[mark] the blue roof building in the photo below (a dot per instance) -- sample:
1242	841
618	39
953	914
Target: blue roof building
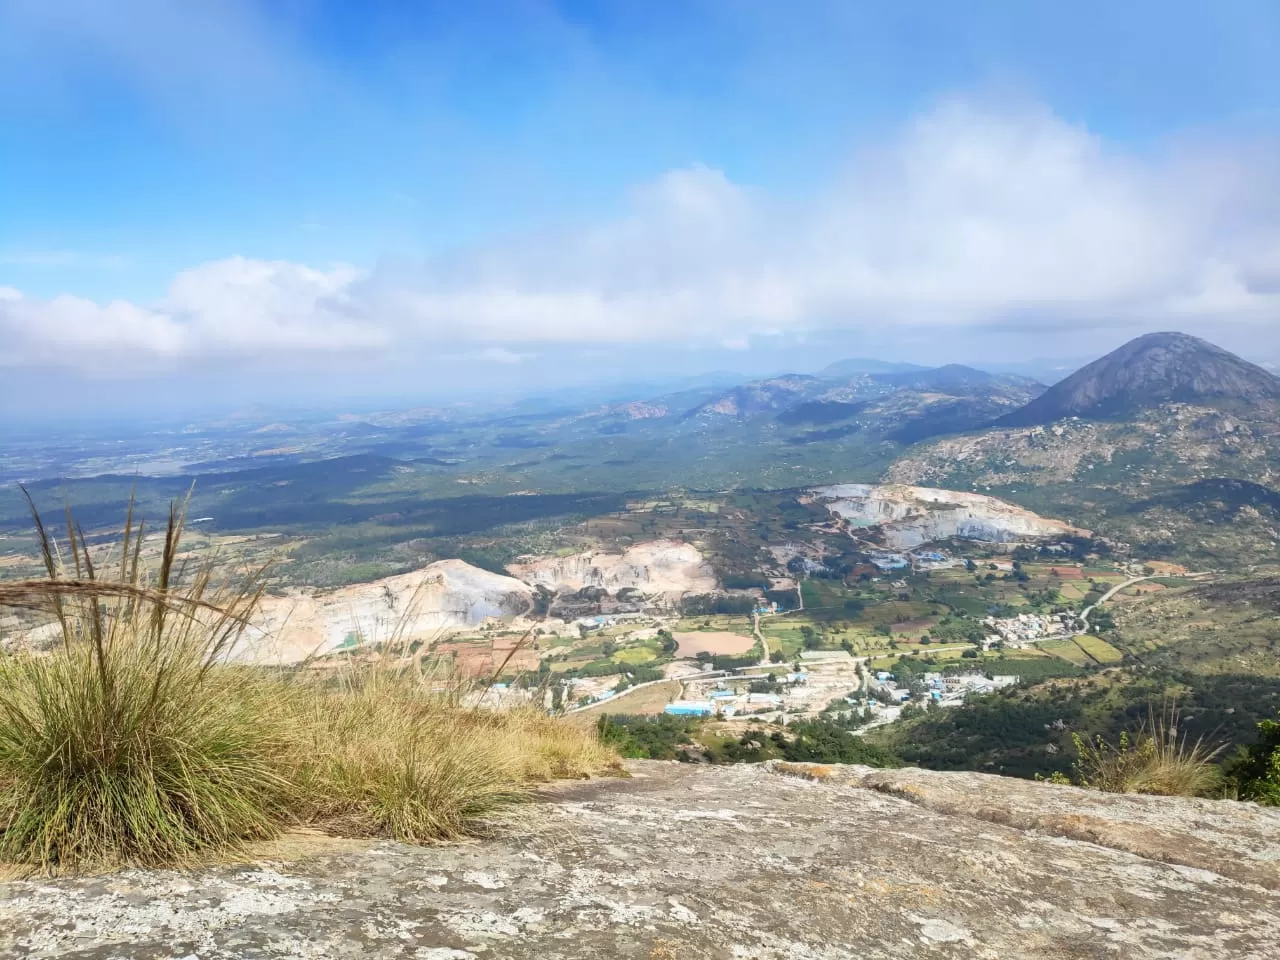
690	708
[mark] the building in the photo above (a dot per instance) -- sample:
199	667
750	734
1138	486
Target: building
890	561
690	708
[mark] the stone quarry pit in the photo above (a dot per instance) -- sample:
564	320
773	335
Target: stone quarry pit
910	516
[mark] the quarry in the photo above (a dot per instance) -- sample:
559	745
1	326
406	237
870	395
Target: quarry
657	567
429	602
907	516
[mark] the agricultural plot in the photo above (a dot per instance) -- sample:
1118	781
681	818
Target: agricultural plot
1073	592
945	655
1068	650
1099	649
635	656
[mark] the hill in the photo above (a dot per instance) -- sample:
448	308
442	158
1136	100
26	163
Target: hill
960	380
857	365
1169	444
900	406
1151	370
688	861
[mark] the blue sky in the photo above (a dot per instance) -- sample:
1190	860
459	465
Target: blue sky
270	190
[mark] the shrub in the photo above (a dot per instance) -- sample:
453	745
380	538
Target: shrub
1258	773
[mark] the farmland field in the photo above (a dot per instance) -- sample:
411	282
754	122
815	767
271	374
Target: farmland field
635	655
1099	649
1068	651
1073	592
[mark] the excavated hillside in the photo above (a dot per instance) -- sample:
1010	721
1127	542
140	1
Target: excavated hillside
425	603
909	516
658	566
687	862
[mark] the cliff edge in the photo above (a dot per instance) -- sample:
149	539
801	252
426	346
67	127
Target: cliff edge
684	861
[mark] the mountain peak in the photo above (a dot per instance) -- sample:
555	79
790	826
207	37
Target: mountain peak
1147	371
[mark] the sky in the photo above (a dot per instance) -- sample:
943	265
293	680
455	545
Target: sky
206	204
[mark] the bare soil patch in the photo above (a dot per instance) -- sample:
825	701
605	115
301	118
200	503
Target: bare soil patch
646	700
481	659
713	642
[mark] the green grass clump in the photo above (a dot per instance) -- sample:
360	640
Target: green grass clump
126	765
125	744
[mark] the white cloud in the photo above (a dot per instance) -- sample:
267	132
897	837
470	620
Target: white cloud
969	217
235	307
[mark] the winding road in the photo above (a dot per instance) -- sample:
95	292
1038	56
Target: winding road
1084	614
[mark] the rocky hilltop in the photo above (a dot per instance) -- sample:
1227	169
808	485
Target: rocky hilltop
686	862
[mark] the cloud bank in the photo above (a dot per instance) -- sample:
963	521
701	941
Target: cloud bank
969	217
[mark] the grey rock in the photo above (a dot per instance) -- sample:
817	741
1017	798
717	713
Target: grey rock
684	861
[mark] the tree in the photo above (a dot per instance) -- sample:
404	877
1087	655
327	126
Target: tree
809	637
669	644
1258	771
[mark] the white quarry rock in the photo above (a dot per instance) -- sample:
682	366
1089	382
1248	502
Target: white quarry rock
427	603
658	566
910	516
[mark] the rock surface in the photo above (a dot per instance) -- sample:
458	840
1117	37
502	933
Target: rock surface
685	861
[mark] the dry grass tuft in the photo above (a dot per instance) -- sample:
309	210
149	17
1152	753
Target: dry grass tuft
1158	759
134	742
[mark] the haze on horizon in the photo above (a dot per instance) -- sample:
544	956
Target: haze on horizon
206	204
